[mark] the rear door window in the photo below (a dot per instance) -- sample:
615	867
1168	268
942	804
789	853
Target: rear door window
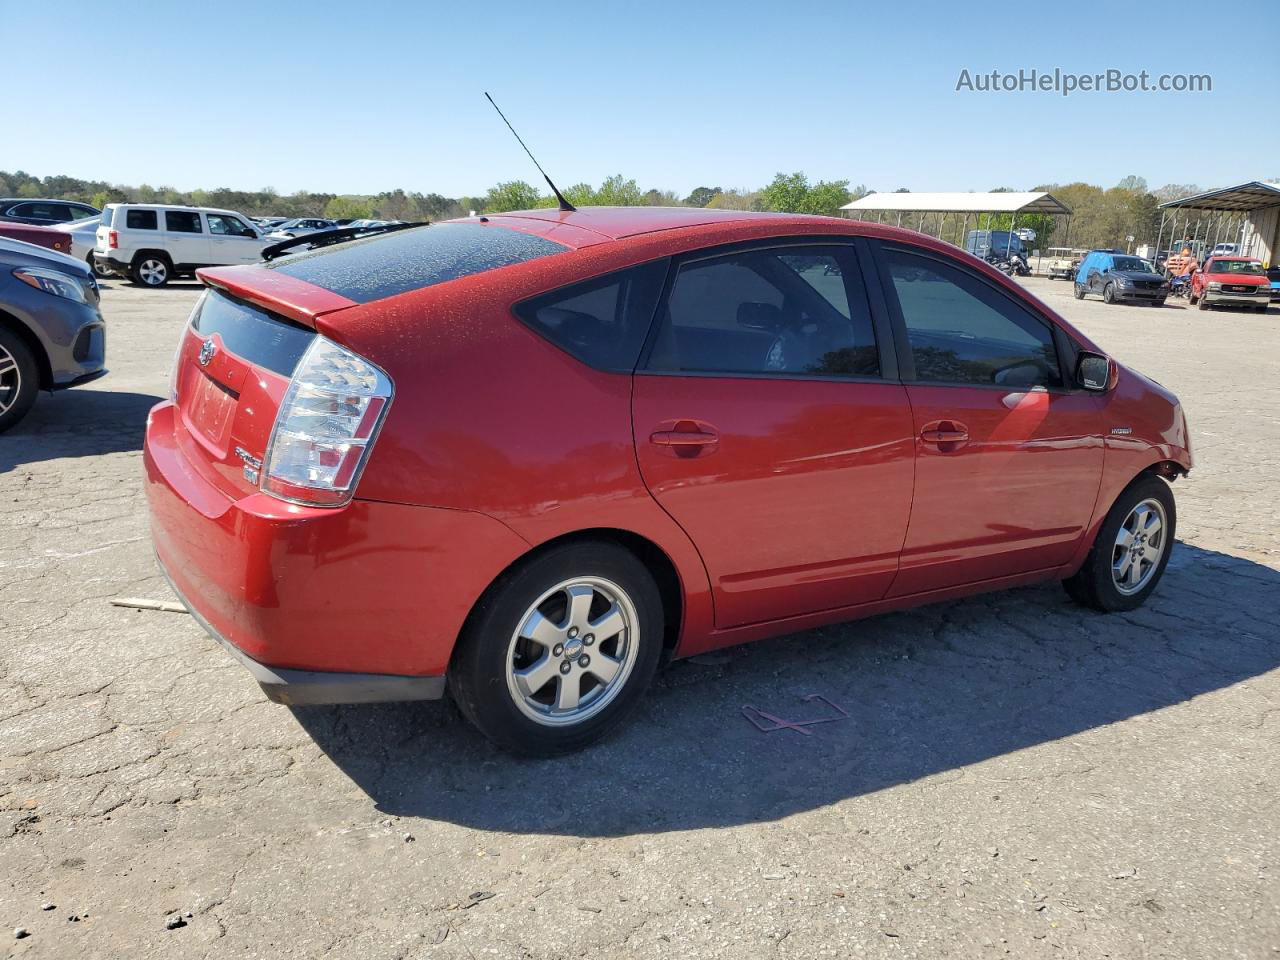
604	321
140	220
793	311
182	221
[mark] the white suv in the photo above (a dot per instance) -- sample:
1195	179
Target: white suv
151	243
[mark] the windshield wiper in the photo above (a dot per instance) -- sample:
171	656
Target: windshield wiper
323	238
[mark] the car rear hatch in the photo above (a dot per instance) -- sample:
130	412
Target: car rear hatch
233	367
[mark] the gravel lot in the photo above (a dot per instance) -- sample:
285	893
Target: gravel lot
1018	777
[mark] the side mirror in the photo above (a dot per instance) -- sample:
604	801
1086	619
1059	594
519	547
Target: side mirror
1093	372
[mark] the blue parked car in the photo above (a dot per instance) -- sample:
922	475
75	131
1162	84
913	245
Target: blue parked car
1118	277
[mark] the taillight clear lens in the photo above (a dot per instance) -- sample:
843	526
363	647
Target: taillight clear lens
325	426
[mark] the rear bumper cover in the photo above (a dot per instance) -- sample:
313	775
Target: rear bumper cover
299	688
357	604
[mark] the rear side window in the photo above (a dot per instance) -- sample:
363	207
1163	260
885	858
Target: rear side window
140	220
602	322
254	335
182	221
392	263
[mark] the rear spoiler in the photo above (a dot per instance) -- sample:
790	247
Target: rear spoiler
277	292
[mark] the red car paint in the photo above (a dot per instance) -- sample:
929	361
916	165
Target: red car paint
57	240
817	501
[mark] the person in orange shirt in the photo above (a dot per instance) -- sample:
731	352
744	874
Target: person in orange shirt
1182	265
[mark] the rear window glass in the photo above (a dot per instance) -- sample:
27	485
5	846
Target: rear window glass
140	220
251	334
383	266
603	321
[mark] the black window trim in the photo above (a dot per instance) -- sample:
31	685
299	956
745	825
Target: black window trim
902	341
885	347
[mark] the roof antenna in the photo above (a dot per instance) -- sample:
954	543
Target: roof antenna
565	205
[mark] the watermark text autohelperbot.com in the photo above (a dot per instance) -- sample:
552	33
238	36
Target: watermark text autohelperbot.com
1066	83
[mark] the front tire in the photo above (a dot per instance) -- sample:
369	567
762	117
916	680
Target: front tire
1108	294
1203	304
559	650
1131	551
19	379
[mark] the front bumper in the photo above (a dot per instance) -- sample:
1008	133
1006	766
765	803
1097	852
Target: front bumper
1138	293
1237	299
357	604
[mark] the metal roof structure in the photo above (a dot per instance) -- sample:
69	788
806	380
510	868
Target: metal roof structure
958	203
1254	195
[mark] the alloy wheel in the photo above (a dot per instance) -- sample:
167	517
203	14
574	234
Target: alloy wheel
1139	545
10	380
153	272
573	651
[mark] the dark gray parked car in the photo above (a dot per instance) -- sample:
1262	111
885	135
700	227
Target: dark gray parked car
51	330
44	213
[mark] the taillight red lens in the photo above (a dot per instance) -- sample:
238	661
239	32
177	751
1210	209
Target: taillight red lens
325	427
113	240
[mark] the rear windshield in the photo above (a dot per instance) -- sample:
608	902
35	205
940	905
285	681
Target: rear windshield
383	266
251	334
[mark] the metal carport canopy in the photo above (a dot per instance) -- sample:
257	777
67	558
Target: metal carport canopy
1247	196
959	203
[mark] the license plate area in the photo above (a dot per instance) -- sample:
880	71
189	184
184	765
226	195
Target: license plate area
210	412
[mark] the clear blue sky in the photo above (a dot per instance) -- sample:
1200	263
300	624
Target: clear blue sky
362	97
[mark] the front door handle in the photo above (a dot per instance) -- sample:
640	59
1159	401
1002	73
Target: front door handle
945	433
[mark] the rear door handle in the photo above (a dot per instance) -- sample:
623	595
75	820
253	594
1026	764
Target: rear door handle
683	438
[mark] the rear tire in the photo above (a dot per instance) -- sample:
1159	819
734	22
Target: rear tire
1079	291
151	270
529	670
19	379
1107	582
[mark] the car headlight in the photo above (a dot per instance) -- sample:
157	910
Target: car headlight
1122	281
1214	285
51	281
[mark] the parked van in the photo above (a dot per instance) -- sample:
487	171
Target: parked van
151	243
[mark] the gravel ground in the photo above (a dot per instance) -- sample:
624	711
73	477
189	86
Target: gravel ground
1017	777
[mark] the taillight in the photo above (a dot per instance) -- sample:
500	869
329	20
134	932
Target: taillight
113	240
325	427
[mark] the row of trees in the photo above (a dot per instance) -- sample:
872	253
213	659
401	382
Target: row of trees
1102	217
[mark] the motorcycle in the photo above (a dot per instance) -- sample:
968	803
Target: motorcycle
1180	287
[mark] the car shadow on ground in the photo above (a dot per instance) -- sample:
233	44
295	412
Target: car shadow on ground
81	422
928	692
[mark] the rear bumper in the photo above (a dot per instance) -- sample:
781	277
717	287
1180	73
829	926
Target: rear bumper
306	687
355	604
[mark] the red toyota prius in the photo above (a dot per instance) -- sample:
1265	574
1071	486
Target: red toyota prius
526	457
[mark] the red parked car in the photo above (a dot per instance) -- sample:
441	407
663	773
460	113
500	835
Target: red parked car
57	240
530	455
1236	281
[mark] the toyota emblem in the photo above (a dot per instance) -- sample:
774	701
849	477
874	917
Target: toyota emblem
208	350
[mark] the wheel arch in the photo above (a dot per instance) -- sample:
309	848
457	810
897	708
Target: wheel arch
656	561
32	340
151	252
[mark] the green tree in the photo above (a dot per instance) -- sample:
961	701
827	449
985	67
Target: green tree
794	194
511	195
616	192
348	208
701	196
